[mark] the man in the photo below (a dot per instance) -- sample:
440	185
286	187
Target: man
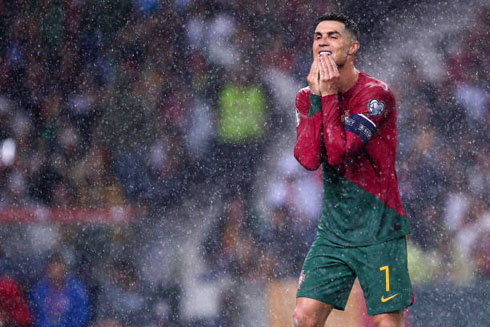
60	299
346	122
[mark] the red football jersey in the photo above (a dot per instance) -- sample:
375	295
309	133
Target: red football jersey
354	136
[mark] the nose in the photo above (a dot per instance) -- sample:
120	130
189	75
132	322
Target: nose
322	45
323	42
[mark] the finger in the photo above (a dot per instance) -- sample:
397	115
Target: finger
314	67
324	67
313	70
313	77
318	69
333	67
327	66
320	66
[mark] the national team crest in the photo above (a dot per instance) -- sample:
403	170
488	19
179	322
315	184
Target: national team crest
376	107
298	118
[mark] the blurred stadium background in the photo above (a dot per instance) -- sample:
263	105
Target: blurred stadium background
147	146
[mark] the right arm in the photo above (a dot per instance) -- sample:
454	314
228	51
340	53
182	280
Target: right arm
308	148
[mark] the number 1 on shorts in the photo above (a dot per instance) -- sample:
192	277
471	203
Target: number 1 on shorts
387	277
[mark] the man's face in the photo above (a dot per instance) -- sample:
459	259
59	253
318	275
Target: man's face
331	38
57	272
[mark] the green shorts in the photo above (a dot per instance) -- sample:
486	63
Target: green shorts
329	272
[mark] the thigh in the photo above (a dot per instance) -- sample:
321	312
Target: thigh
383	274
325	276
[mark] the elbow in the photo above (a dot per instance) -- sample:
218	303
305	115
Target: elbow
338	155
311	167
309	162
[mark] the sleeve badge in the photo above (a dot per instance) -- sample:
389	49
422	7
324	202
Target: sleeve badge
376	107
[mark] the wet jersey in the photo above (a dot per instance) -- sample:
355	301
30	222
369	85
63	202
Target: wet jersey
354	137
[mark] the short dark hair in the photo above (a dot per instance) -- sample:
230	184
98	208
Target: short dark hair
350	25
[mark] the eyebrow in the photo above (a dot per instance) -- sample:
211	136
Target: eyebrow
328	33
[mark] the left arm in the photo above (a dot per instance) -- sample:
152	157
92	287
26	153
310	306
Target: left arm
345	139
369	110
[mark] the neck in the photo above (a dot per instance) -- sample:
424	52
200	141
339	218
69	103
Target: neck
348	76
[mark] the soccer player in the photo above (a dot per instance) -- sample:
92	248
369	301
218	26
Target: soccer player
346	122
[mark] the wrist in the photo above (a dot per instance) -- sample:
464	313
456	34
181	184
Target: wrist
315	91
328	100
329	91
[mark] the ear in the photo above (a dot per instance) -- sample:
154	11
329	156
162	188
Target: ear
354	47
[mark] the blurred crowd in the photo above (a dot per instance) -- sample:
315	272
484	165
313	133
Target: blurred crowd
444	161
182	107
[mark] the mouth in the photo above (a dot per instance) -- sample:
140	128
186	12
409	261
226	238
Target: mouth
325	53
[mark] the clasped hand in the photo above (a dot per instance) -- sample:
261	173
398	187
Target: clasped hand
324	76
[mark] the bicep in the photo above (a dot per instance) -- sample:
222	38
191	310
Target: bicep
366	114
371	110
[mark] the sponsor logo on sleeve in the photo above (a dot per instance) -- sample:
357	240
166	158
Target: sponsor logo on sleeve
298	118
376	107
